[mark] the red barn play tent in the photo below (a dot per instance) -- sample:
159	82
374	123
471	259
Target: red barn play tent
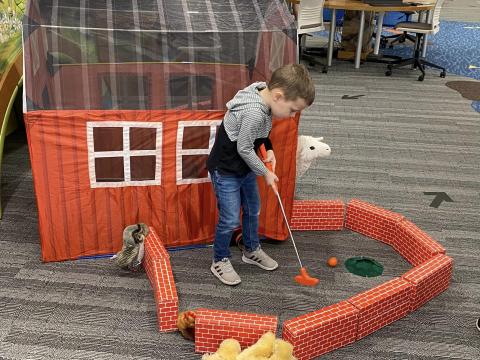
123	99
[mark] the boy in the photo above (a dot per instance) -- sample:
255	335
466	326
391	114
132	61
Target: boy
234	165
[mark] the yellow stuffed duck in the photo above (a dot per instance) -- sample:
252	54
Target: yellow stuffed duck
266	348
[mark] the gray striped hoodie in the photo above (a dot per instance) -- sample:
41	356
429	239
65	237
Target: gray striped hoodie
248	118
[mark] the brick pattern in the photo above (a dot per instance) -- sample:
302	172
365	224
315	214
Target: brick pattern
372	221
382	305
159	271
321	331
214	326
317	215
334	326
414	244
154	246
429	279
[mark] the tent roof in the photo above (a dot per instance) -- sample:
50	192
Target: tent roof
162	15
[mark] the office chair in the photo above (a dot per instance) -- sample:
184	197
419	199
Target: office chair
400	38
309	20
430	27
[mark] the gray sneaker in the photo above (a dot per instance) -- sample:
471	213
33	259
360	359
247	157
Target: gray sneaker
225	272
259	258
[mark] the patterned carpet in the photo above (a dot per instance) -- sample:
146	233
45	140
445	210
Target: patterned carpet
454	47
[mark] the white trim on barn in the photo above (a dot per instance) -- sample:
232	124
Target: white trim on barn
126	153
180	151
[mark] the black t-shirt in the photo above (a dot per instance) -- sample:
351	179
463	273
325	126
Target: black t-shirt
224	156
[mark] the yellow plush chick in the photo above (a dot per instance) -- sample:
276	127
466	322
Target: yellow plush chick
262	349
282	350
228	350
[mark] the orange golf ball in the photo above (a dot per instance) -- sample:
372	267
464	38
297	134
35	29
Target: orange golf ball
332	262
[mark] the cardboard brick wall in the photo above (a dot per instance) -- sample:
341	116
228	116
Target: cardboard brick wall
214	326
429	279
414	244
382	305
159	271
372	221
334	326
317	215
321	331
154	246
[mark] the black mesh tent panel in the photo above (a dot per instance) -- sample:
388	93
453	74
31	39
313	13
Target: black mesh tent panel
162	15
150	54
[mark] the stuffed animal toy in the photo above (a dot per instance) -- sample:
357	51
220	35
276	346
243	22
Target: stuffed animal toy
262	349
131	255
266	348
282	350
186	324
308	149
228	350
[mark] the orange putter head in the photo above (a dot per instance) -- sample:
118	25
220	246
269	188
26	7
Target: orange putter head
304	279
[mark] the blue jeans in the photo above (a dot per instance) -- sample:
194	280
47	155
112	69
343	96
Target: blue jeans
235	192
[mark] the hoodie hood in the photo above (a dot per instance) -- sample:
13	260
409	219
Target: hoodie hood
248	98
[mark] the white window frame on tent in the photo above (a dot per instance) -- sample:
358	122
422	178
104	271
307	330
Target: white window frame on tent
126	153
180	152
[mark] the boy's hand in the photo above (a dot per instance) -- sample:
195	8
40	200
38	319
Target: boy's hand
268	157
270	179
271	159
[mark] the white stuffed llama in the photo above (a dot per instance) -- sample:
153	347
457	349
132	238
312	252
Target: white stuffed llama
308	149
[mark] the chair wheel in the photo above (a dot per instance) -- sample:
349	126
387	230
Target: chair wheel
443	74
324	71
421	77
389	67
388	72
390	46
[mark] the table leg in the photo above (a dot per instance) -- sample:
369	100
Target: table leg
425	37
297	58
358	53
424	45
421	16
378	36
331	36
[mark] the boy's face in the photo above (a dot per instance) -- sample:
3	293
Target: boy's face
282	108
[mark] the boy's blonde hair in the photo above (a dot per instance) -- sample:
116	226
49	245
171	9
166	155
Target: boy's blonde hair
295	82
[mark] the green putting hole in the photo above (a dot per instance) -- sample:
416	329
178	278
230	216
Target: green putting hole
363	266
